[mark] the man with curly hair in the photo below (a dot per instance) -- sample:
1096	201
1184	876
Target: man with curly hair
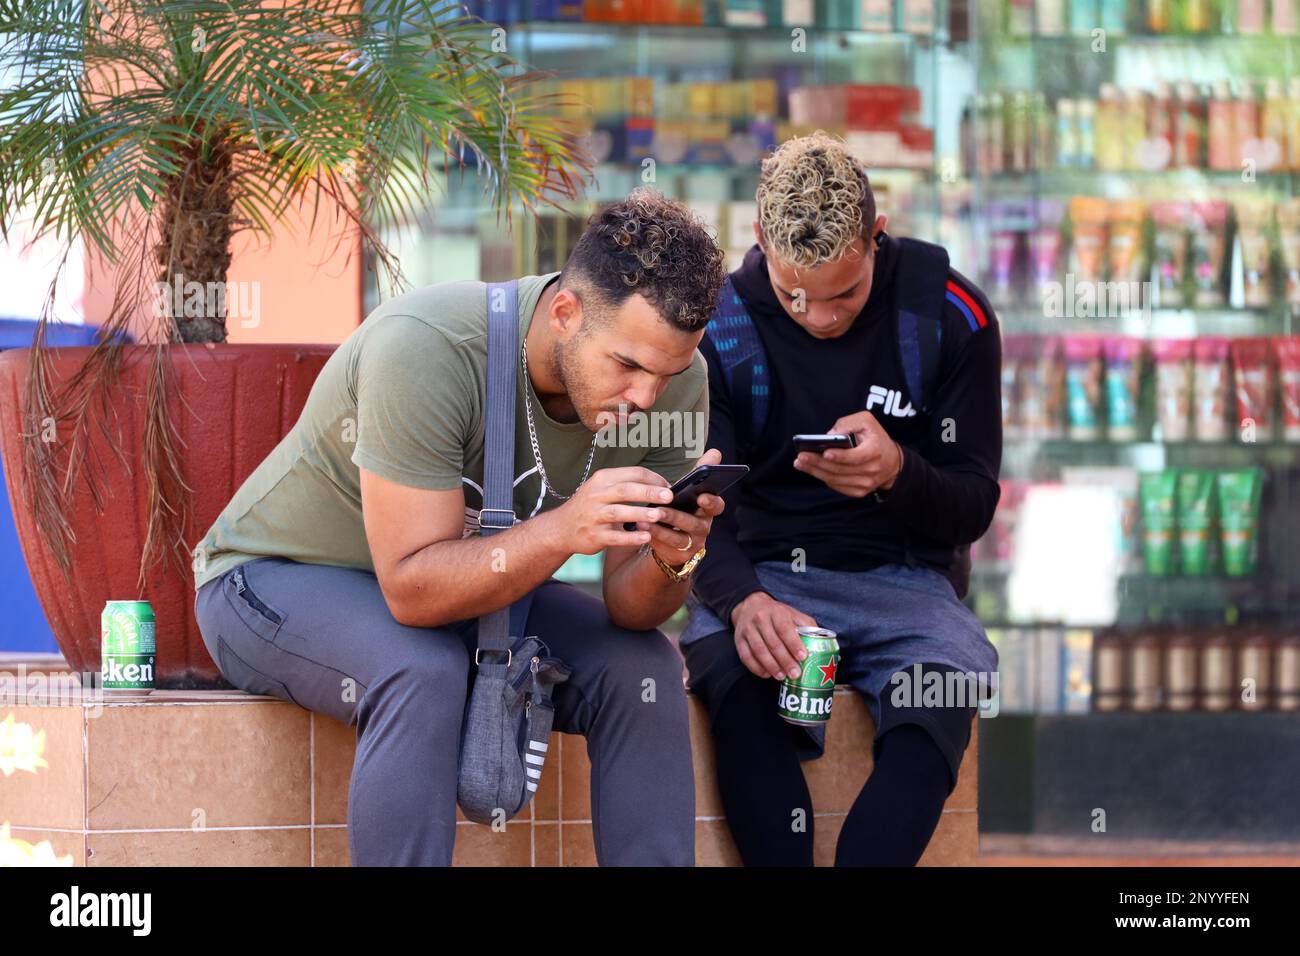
832	326
347	574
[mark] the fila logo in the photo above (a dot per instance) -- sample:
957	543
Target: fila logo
889	399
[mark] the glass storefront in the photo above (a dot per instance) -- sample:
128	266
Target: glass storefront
1120	179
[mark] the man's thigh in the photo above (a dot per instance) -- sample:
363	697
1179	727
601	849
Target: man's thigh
610	664
316	635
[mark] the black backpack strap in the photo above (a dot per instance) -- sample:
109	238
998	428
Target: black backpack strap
744	364
921	277
921	282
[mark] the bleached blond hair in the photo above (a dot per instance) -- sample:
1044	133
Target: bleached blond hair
814	201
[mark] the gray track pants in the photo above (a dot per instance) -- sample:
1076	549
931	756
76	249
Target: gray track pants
309	634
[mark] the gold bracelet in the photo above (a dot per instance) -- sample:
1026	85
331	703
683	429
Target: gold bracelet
676	575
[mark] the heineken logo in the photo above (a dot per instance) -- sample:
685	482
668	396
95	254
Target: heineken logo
117	673
817	705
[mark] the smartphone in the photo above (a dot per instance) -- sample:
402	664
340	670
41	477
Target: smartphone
704	480
819	443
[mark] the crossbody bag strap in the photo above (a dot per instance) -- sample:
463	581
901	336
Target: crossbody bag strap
498	512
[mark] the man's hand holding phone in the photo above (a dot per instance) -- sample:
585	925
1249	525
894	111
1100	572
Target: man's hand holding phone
872	465
609	509
676	535
766	639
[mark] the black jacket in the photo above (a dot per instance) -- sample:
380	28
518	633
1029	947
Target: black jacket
948	489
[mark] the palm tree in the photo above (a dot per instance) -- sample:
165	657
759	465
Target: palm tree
155	131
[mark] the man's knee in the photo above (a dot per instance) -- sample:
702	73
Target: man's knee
715	671
646	659
945	719
430	675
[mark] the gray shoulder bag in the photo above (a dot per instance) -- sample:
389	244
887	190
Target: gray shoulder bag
507	723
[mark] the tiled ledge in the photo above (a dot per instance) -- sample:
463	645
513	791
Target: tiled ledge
225	778
1006	849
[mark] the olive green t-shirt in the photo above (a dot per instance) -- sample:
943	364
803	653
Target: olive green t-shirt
404	397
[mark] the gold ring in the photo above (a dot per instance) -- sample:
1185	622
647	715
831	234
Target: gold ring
690	542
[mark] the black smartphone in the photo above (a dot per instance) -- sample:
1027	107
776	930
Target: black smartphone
704	480
819	443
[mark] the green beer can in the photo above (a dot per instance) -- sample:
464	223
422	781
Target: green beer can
127	646
806	699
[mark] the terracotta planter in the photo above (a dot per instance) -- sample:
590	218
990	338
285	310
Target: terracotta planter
231	405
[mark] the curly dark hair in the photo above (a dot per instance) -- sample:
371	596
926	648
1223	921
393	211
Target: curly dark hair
654	246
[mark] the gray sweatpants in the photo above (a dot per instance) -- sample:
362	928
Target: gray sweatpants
322	637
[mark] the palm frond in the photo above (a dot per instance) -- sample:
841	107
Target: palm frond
121	118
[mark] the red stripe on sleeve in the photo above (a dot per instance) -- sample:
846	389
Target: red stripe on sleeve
965	297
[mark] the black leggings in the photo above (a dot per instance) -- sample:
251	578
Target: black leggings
763	787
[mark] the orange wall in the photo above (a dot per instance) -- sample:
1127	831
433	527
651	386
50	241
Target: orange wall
307	294
309	286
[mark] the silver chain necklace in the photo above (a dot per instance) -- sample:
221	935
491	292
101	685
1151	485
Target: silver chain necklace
532	436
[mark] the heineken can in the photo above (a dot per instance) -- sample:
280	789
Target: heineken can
127	645
806	699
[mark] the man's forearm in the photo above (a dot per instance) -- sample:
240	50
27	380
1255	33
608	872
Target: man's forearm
953	505
639	596
456	580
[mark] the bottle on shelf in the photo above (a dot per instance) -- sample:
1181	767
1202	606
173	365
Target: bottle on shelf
1189	126
1220	126
1108	673
1286	673
1157	150
1249	20
1255	672
1159	15
918	16
744	13
1196	16
1217	683
1285	18
1109	129
1180	672
1292	113
1143	673
875	16
972	165
1113	16
1083	17
1020	18
1050	17
1044	124
1067	136
1086	110
979	134
994	134
794	13
1019	132
1273	126
1135	127
1245	126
